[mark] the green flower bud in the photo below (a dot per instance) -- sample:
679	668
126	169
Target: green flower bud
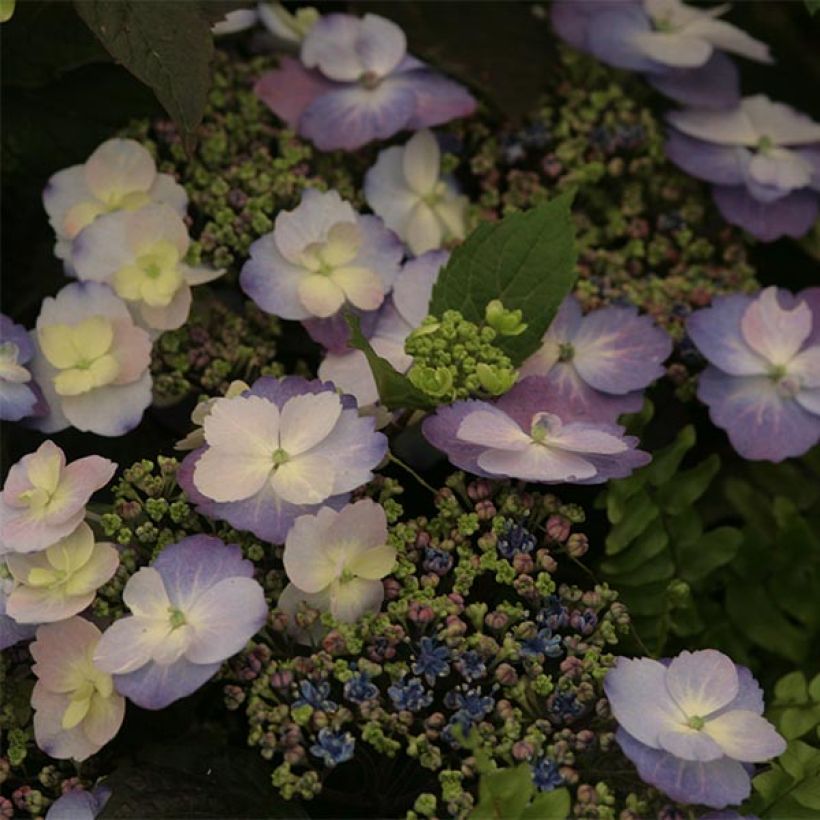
435	381
503	321
495	380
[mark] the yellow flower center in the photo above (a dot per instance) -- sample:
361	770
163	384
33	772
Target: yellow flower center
154	277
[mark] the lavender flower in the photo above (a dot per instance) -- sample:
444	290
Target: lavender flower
515	540
432	660
763	159
333	747
316	696
545	775
543	643
600	363
355	83
691	726
359	689
410	695
79	804
19	394
762	384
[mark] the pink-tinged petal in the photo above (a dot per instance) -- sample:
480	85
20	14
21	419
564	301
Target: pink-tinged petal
761	424
153	223
689	744
792	215
79	301
774	332
290	89
306	479
438	99
57	645
488	427
387	192
307	421
225	476
224	618
350	117
112	410
42	468
640	701
64	190
34	605
82	478
154	686
104	718
381	250
243	425
380	46
172	316
536	463
320	295
332	46
128	644
364	522
717	783
351	373
119	166
781	123
722	164
716	332
583	437
51	738
102	248
702	682
617	351
362	287
352	599
570	20
745	736
716	84
145	594
132	349
22	532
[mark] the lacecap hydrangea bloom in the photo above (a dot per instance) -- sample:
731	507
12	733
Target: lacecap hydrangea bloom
119	175
320	257
355	83
19	394
405	188
282	449
692	725
763	159
600	363
531	434
402	312
76	708
335	560
43	499
140	255
60	581
679	47
193	608
762	384
92	362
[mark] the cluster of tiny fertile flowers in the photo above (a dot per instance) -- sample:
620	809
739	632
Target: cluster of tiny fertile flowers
354	83
476	633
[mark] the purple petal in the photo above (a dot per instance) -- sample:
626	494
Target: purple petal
793	215
155	687
290	89
618	466
16	334
702	682
76	805
333	333
438	98
812	155
717	783
689	744
17	400
811	296
440	430
760	423
722	164
349	117
715	84
611	37
749	694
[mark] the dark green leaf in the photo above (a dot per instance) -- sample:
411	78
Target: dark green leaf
396	391
716	548
651	542
677	495
553	805
527	261
665	462
659	568
641	512
503	793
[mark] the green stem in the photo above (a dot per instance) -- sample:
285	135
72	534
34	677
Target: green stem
412	472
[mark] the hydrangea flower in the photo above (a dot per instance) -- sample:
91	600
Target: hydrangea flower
196	438
432	661
679	47
289	29
410	695
92	362
10	631
19	394
79	804
545	775
281	450
140	255
333	747
355	83
43	499
235	21
600	363
320	257
762	384
119	175
691	726
76	708
401	313
534	435
763	159
406	190
60	581
193	608
341	557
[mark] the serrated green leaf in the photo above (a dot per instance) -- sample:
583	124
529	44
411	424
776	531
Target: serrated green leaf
665	462
651	542
503	793
791	688
641	513
527	261
696	559
659	568
553	805
396	391
797	721
680	493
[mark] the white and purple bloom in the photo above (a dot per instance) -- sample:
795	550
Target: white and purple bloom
318	258
76	708
44	498
355	83
119	175
19	394
534	435
194	607
600	363
401	313
79	804
762	384
91	362
339	558
763	159
140	255
282	449
10	631
406	190
692	725
679	47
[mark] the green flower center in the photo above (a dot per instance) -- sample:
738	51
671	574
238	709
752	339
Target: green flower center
696	722
280	457
176	617
565	352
